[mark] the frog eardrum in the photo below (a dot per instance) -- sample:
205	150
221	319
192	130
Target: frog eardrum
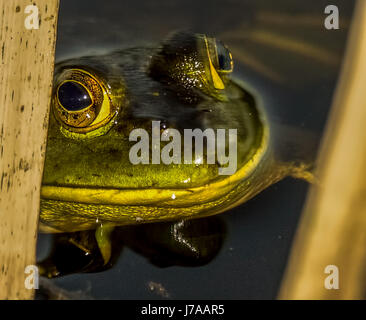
81	101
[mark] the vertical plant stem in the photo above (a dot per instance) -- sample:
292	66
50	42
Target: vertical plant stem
333	227
26	71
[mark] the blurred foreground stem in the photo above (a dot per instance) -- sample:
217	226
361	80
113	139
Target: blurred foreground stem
332	230
26	71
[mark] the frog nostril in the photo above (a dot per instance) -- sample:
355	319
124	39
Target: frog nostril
73	96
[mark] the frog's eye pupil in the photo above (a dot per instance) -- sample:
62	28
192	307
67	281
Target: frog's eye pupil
73	96
224	57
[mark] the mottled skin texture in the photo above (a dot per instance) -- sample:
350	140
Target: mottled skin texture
88	178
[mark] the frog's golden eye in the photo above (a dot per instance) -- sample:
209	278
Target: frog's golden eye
81	101
194	63
74	96
220	56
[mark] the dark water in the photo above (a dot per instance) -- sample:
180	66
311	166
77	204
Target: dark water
282	50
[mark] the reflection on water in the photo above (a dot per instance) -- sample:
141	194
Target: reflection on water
283	52
190	243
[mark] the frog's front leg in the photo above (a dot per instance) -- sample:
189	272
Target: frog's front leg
83	251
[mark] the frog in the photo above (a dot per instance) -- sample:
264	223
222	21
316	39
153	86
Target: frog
90	189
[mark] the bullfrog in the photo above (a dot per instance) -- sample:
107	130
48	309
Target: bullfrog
90	186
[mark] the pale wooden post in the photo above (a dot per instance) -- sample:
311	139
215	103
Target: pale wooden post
333	227
26	71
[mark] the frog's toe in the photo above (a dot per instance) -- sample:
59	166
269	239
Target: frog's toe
103	236
305	172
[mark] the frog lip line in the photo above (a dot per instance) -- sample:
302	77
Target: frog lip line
216	147
150	196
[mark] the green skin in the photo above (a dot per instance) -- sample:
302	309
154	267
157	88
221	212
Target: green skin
145	85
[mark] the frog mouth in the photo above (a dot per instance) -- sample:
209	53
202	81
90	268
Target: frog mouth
162	197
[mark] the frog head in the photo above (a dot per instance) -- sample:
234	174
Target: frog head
182	85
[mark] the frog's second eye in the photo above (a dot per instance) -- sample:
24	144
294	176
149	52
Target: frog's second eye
224	58
220	55
74	96
82	102
194	63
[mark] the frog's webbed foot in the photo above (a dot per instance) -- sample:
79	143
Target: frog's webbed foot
84	251
186	243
